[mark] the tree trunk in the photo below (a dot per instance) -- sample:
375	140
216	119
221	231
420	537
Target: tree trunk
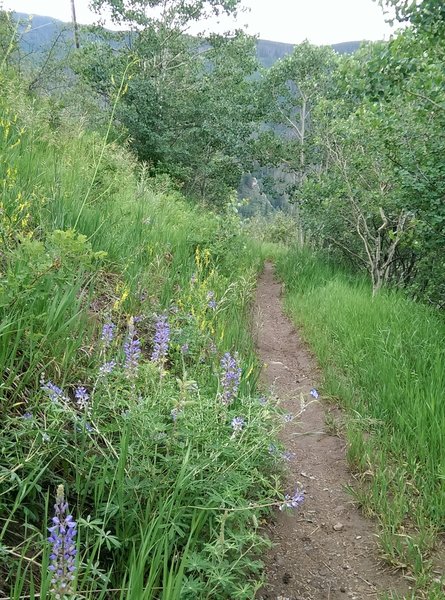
76	29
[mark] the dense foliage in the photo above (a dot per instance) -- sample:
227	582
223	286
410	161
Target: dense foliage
189	103
128	375
363	135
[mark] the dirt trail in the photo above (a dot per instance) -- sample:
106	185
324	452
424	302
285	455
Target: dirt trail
326	549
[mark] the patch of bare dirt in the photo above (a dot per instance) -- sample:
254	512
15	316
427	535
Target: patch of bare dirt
326	549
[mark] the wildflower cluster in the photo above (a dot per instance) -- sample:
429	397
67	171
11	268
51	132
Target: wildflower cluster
63	548
230	379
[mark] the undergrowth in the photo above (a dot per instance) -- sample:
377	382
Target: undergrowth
383	359
128	374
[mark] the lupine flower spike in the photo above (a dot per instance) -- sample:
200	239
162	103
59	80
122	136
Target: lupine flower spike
63	548
108	333
174	413
107	367
132	349
293	501
237	424
286	455
54	393
211	302
82	397
161	340
230	380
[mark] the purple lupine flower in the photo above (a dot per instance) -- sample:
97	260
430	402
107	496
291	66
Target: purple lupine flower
54	393
161	339
293	501
63	548
174	413
288	456
185	348
108	333
288	418
81	426
211	302
237	424
107	367
132	349
231	375
314	393
27	416
82	397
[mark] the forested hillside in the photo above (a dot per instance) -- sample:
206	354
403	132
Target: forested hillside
144	180
39	33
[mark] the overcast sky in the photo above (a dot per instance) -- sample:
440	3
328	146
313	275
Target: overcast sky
319	21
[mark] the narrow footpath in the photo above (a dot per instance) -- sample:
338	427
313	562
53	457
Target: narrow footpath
326	549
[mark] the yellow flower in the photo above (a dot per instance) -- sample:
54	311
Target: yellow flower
123	297
206	256
198	256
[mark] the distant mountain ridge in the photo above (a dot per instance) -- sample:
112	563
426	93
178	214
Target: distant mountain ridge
45	30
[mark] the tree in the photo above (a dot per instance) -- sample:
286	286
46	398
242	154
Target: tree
291	88
8	38
377	197
427	16
171	14
190	102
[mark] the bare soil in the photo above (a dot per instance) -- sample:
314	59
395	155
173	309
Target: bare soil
326	549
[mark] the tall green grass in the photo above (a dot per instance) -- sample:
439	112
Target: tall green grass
384	359
167	503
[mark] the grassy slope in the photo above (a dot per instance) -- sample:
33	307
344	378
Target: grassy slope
383	358
161	485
